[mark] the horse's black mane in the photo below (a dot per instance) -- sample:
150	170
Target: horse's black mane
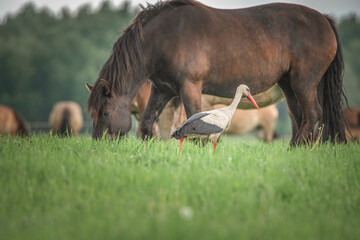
126	63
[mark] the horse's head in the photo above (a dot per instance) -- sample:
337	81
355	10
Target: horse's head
110	113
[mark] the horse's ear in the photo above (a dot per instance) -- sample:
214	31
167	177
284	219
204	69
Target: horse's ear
106	86
89	87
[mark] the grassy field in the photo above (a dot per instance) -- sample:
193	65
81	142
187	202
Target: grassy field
54	188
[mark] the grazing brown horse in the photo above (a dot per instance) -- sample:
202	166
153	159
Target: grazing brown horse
66	118
186	48
12	123
352	119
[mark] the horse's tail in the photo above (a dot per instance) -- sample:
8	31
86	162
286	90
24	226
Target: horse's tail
65	128
24	127
333	95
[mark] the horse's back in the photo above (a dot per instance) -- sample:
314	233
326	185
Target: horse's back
217	45
269	114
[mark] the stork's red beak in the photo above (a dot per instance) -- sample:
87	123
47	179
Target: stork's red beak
252	101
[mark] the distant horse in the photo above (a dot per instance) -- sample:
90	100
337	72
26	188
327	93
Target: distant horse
352	119
186	48
12	123
245	121
66	118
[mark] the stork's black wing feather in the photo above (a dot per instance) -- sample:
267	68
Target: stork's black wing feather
195	125
196	116
200	127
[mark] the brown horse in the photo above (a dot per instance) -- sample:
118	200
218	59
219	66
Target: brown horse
186	48
352	119
66	118
12	123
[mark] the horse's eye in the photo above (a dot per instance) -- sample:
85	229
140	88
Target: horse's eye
106	114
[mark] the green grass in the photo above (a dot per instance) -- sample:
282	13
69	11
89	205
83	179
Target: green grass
52	188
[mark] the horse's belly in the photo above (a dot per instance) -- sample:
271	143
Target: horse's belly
270	96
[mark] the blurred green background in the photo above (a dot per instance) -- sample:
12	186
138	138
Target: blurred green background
46	57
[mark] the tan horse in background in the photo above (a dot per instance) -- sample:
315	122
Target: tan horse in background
352	120
12	122
243	121
66	118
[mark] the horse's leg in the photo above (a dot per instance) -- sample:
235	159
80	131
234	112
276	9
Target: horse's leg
190	94
293	107
157	101
304	85
268	128
267	121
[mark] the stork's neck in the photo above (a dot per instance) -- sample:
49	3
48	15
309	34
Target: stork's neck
235	102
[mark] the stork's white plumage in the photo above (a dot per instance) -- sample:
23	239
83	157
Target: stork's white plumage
211	124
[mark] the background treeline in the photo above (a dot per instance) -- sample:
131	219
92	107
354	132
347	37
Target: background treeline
47	57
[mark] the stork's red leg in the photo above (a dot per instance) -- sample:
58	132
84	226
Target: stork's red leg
181	141
214	148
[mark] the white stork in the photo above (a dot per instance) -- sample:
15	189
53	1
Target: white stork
211	124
